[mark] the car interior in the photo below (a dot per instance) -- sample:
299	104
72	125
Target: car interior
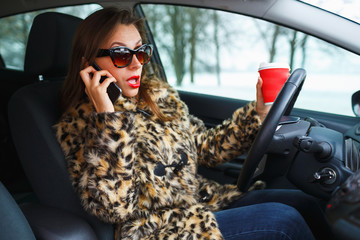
50	209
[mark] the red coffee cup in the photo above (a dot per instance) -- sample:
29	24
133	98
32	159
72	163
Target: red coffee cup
274	75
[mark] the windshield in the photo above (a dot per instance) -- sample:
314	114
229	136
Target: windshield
346	8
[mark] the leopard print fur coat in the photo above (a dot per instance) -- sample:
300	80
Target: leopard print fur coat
125	165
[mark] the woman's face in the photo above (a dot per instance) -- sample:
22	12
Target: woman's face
128	78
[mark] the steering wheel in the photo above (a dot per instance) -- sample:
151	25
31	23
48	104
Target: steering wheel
282	105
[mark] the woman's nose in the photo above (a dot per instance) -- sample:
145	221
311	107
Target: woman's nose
135	63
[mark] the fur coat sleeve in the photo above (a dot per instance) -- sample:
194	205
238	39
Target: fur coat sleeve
228	140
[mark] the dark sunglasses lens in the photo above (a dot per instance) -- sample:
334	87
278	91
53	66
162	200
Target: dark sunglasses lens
121	57
144	55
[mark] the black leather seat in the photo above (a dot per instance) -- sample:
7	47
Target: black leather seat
47	55
13	224
33	110
49	45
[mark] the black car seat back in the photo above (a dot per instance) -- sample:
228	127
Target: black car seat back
34	109
47	57
13	224
49	45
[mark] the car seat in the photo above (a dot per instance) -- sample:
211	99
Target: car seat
34	109
57	32
13	224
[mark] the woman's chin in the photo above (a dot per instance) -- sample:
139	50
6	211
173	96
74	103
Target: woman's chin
130	92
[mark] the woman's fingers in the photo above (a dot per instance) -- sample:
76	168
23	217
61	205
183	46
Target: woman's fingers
261	108
259	95
96	89
86	74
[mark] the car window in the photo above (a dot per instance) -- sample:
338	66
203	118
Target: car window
218	53
15	29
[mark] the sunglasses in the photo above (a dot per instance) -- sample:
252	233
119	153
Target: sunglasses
122	56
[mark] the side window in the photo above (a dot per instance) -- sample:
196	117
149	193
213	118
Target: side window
13	39
218	53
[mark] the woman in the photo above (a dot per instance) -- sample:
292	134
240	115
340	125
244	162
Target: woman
133	162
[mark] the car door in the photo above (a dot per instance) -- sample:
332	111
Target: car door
211	57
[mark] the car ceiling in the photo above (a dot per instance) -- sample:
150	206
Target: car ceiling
257	7
289	13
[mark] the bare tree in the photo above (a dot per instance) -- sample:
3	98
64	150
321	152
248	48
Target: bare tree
297	42
293	46
168	26
303	49
196	23
217	46
15	33
272	47
177	19
274	31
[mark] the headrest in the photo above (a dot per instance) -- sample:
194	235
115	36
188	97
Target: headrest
49	45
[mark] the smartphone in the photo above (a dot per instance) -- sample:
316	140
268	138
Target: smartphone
113	90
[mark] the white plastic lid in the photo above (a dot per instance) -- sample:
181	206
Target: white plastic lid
265	65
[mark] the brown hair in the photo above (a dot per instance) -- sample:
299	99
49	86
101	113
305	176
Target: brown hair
92	32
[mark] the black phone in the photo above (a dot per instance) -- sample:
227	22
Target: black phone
113	90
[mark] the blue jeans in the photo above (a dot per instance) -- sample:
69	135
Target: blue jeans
270	221
311	208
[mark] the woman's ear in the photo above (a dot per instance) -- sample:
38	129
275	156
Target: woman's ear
84	62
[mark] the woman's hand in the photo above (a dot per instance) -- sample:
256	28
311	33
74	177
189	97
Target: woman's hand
95	90
261	108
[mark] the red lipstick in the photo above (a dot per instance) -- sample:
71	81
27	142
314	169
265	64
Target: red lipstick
134	81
